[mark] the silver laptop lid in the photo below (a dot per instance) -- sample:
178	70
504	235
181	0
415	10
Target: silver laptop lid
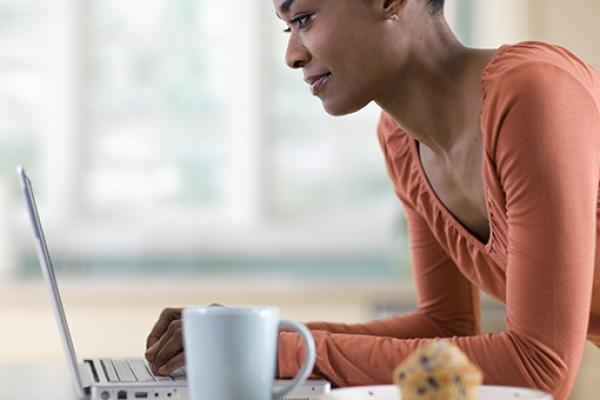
48	272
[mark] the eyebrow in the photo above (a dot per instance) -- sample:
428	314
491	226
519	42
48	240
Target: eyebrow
285	6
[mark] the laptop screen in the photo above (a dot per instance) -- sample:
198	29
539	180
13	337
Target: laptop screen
48	272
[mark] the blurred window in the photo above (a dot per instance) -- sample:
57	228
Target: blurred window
23	79
184	142
190	103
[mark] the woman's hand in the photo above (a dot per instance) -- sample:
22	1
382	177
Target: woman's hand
164	346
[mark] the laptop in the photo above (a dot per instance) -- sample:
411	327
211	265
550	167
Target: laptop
122	378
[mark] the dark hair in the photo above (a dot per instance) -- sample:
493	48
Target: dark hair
436	6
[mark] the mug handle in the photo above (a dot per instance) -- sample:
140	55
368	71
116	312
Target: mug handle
309	360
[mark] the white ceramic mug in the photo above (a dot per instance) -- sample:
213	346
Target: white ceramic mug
230	352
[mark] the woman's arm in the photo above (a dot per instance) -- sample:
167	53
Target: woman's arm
547	156
447	303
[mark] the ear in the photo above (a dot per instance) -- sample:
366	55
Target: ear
388	8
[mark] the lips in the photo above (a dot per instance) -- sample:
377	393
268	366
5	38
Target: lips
317	82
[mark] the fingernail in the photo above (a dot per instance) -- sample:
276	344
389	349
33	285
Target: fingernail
162	370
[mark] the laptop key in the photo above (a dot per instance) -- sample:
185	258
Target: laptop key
159	378
178	374
123	371
163	378
140	370
111	375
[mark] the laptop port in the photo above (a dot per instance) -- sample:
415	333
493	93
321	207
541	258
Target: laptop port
122	395
141	395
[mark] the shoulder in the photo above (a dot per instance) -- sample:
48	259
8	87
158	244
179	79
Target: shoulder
520	68
516	69
535	79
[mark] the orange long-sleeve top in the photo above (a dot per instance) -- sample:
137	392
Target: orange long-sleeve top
540	123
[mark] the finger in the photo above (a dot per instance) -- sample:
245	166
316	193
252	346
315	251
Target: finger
151	352
170	347
160	343
164	320
154	345
172	364
165	357
171	344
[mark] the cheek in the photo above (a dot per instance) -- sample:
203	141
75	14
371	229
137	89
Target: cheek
349	54
358	71
331	42
348	51
322	47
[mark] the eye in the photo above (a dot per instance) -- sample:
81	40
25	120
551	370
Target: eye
300	22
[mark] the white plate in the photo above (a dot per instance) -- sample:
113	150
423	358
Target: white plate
391	392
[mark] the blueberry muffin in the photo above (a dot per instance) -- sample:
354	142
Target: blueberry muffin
438	371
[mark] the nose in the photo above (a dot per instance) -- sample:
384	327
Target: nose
296	56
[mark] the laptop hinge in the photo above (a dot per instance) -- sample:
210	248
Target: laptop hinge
97	371
87	377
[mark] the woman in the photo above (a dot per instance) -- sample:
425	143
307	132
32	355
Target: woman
495	156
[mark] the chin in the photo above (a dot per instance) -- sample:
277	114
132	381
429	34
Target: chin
339	108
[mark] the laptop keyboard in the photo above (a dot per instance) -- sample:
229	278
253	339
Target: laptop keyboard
133	370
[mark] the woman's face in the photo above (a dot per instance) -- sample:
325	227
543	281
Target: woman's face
342	48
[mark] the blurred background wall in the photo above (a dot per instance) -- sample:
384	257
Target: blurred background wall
177	161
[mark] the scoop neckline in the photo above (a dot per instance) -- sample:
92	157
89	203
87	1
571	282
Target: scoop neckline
438	202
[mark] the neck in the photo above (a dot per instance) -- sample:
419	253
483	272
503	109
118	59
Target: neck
433	98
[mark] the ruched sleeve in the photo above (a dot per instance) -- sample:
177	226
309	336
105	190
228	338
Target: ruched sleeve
447	303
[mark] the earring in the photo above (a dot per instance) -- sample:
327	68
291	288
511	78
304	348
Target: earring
393	17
